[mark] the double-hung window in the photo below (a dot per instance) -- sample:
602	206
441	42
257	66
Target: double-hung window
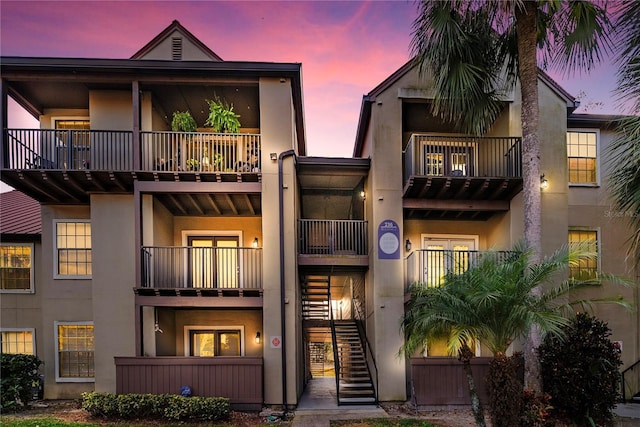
582	153
18	341
75	352
584	240
72	249
16	267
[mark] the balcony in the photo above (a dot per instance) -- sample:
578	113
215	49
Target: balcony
429	267
460	177
333	242
201	271
67	165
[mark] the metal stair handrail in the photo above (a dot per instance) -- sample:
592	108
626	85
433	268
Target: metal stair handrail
363	335
622	374
334	344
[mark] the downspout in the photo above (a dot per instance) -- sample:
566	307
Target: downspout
282	282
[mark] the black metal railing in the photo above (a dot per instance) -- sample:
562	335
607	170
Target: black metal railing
334	345
429	266
630	381
462	156
201	267
369	356
69	149
332	237
201	152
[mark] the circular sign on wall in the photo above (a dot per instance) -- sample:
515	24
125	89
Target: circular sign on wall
388	240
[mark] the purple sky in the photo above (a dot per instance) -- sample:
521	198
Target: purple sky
346	48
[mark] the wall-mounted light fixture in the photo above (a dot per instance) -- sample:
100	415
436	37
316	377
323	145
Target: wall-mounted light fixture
544	182
255	242
257	337
407	245
273	156
156	324
363	195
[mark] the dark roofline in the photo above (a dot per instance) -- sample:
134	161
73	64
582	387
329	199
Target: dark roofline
14	66
594	120
175	25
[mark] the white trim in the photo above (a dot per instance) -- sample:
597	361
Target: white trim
54	119
474	237
57	275
60	379
598	241
189	328
598	155
33	335
31	289
214	233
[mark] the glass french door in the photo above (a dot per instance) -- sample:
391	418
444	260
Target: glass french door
442	256
213	261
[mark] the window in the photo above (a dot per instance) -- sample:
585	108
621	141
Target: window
588	241
74	358
74	138
16	267
73	249
18	341
211	341
582	152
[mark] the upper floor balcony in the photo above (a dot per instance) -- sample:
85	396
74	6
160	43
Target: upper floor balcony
66	165
448	176
333	242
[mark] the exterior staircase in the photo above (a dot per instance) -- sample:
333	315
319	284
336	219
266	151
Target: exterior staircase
315	299
355	385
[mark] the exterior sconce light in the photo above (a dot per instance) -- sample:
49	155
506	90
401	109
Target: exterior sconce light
255	242
257	337
156	324
273	156
363	195
544	182
407	245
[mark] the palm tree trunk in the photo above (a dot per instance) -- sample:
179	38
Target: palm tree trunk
465	356
528	73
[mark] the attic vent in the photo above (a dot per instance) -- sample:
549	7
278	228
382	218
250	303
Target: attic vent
176	48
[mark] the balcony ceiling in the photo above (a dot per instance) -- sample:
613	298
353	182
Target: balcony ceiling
212	204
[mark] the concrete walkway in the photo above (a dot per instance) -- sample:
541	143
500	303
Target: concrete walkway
318	406
628	410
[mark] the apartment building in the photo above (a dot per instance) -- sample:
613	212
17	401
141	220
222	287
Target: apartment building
236	264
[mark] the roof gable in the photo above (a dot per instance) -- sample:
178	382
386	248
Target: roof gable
176	43
19	215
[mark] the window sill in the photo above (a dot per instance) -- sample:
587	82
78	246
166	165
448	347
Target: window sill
59	277
18	291
585	185
75	380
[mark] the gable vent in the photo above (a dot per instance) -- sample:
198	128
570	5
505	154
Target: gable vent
176	48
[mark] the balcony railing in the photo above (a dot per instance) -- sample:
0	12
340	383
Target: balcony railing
429	266
114	151
173	267
458	156
332	237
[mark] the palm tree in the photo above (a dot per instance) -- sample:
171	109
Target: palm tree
624	156
493	302
477	49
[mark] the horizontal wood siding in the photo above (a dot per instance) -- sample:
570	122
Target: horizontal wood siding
442	381
237	378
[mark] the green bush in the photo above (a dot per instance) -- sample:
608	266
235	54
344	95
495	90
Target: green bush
504	384
580	372
155	406
19	375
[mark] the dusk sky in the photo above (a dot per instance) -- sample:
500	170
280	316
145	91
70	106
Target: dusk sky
346	48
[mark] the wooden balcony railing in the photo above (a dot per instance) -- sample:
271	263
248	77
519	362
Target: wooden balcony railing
174	267
332	237
458	156
114	151
428	267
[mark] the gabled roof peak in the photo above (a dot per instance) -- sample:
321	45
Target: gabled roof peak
153	49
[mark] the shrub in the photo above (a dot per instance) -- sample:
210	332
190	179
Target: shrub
535	410
155	406
504	383
19	374
580	372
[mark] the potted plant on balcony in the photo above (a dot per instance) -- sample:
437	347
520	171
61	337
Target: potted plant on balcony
222	118
183	121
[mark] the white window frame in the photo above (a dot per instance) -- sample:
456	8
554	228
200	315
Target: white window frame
189	328
31	289
33	335
60	379
56	273
598	155
598	242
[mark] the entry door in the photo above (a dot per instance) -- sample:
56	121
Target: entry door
213	261
444	255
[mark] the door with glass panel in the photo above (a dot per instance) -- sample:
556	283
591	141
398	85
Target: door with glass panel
442	255
213	261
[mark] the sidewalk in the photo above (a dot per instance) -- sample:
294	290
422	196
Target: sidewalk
628	410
